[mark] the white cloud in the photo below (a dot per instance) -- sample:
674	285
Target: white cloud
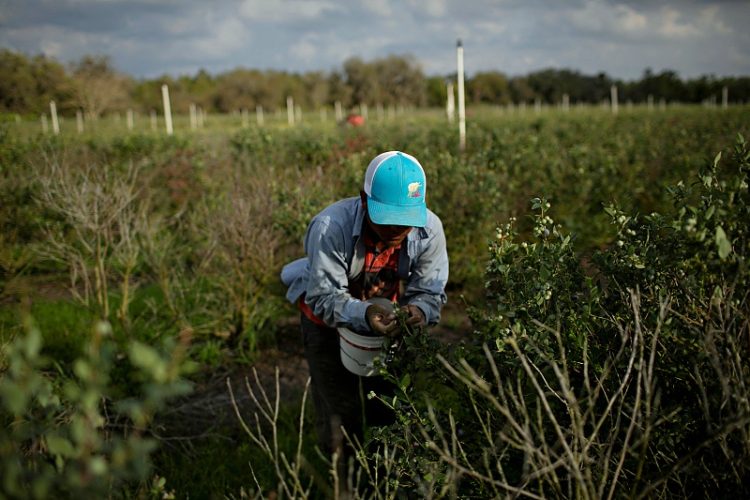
433	8
226	35
304	50
284	10
380	8
630	20
180	26
602	17
671	26
710	21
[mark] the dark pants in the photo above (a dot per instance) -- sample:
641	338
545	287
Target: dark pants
339	396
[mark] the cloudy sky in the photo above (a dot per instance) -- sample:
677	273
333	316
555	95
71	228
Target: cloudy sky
147	38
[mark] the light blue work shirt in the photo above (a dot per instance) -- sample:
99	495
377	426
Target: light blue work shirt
336	255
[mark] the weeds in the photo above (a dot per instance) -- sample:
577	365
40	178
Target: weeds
100	219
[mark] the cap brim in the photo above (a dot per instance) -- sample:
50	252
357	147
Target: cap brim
392	215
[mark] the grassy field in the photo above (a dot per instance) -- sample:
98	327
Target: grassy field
139	269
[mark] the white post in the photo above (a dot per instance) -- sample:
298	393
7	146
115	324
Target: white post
537	105
130	119
339	112
200	115
193	117
259	115
613	98
290	110
153	120
79	121
725	97
565	102
53	113
167	109
43	117
450	103
461	104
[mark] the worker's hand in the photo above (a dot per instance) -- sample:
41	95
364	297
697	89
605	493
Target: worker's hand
415	317
381	320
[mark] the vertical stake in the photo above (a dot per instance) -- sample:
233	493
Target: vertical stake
167	109
461	104
613	98
339	112
193	117
53	113
290	110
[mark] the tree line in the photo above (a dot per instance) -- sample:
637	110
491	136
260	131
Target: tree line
93	85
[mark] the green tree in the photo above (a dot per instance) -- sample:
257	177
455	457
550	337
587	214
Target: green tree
489	87
28	85
361	79
399	80
17	82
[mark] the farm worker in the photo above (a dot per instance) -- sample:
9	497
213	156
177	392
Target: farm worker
383	243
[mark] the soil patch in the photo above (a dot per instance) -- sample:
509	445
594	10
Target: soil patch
208	411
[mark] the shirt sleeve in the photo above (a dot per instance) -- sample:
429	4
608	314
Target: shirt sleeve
327	291
425	287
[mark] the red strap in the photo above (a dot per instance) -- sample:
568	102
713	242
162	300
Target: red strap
307	311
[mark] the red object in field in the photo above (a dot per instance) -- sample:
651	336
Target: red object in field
355	120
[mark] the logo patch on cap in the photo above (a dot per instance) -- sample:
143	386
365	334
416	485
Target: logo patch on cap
414	190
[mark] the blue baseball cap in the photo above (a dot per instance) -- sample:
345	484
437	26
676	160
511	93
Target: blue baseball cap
395	186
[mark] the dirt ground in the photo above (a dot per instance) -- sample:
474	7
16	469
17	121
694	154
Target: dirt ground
209	407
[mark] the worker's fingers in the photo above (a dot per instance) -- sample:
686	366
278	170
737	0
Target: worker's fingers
383	325
416	316
414	320
381	320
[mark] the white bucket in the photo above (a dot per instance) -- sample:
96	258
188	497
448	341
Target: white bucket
358	352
